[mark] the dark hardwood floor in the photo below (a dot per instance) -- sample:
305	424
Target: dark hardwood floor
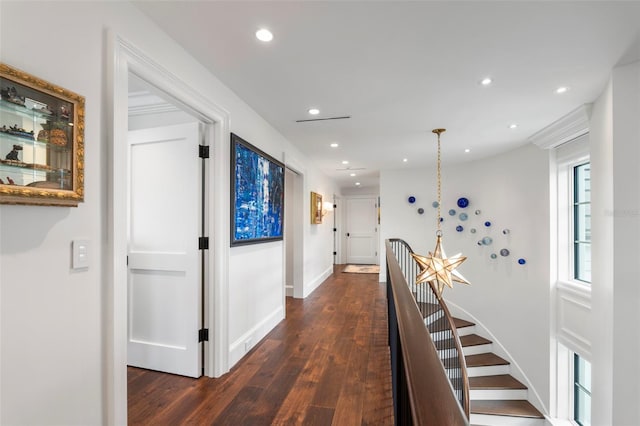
327	363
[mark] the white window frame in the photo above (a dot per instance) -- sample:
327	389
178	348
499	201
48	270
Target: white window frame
572	259
572	369
566	397
567	158
571	297
567	140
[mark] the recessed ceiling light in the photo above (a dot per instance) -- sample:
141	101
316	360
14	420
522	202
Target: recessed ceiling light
264	34
314	111
345	162
357	183
334	145
562	89
352	175
486	81
404	160
513	126
467	150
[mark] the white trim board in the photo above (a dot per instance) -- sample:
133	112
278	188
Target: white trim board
124	58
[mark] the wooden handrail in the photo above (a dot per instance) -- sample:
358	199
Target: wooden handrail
431	397
454	333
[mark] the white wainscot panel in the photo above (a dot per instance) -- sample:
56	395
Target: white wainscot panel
574	320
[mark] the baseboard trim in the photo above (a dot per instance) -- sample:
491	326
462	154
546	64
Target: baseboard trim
237	349
310	287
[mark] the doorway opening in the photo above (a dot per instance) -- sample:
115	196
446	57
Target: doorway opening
361	230
126	60
167	268
293	234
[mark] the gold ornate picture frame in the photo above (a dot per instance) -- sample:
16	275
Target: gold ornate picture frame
41	141
316	208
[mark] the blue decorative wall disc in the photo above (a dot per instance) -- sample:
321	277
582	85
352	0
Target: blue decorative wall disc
487	224
463	202
463	216
435	204
459	228
522	261
452	212
412	199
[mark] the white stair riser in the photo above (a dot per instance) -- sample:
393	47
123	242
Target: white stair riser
466	330
430	319
446	334
467	350
498	394
488	420
477	349
490	370
441	335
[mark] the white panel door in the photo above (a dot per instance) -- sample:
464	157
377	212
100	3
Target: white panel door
165	270
362	230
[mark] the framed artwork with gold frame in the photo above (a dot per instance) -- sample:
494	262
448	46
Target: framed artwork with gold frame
316	208
41	141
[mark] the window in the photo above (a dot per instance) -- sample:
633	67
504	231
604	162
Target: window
582	222
581	391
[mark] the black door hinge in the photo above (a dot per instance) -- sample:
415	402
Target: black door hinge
203	335
203	151
335	253
203	243
335	206
335	229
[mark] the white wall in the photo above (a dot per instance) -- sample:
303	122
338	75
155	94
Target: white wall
318	245
616	251
53	323
626	214
512	191
600	137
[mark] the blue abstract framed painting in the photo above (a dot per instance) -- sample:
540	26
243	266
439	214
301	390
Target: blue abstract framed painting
257	195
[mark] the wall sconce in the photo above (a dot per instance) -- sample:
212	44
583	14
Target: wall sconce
319	209
327	207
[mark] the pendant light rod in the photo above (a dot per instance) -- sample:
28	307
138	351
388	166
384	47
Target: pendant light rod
439	218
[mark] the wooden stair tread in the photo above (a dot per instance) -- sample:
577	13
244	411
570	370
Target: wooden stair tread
468	340
484	360
514	408
428	309
500	381
442	324
460	323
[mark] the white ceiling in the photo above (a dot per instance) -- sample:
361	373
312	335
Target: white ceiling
400	69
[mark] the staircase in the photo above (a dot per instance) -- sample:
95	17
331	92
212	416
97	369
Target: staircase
496	397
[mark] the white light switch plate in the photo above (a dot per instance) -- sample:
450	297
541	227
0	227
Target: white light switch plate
80	257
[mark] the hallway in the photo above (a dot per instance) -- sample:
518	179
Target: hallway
326	363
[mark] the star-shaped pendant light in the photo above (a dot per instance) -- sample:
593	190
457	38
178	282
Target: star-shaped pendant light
437	268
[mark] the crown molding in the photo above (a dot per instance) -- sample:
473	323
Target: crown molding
565	129
144	103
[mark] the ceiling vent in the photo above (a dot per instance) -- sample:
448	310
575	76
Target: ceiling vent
323	119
